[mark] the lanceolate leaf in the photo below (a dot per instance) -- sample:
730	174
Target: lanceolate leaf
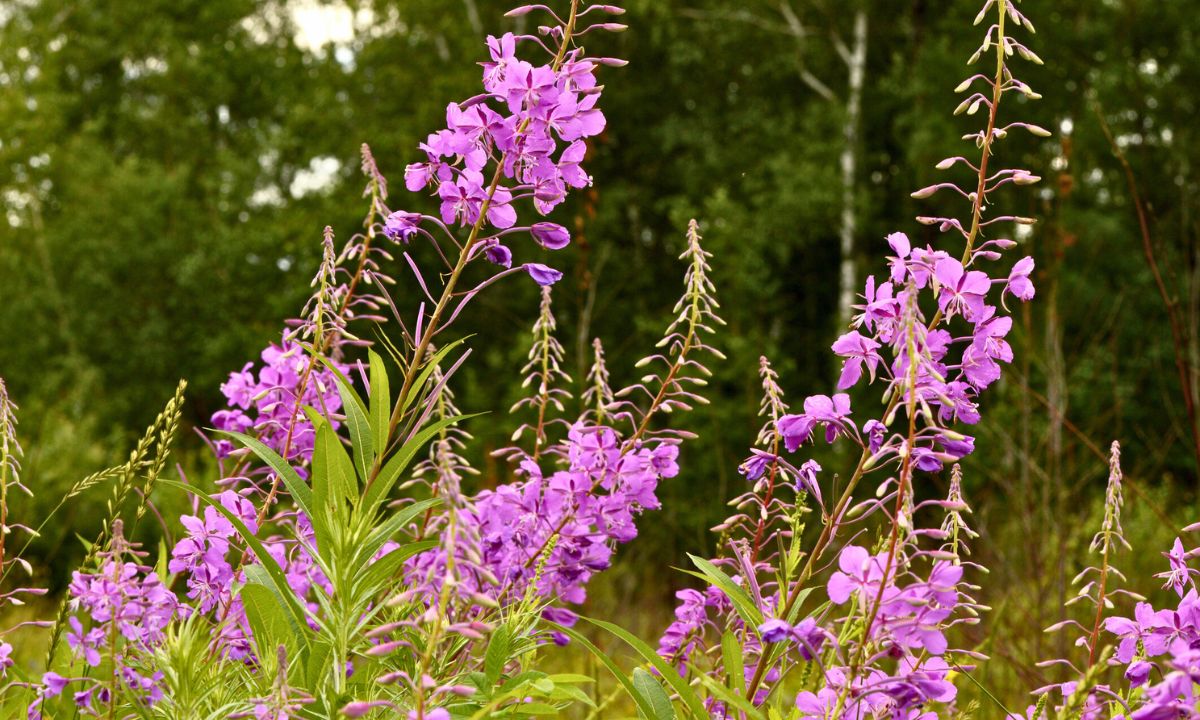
497	654
300	491
394	524
333	478
378	491
643	704
741	601
380	400
427	370
689	697
362	438
268	617
660	702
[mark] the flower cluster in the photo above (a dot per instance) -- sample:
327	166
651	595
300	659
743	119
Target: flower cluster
532	122
203	556
125	608
909	618
202	553
1157	653
268	401
587	507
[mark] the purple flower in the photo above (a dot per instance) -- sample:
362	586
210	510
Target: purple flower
810	637
774	630
755	465
857	570
857	350
808	479
498	254
86	645
1146	628
1019	284
900	245
542	274
881	311
54	684
1179	575
962	291
401	225
550	235
818	410
876	432
1138	673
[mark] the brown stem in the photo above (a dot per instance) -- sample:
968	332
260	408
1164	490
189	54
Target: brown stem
1178	334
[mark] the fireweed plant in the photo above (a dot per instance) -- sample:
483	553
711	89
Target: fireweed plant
341	568
345	567
771	633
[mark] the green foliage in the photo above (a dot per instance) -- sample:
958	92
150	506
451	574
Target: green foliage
151	231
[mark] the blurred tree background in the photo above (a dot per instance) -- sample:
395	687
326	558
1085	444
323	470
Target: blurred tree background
167	167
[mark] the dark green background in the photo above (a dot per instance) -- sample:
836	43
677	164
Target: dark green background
134	135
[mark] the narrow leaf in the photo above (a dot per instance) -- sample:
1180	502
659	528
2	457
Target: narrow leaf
660	702
380	400
689	697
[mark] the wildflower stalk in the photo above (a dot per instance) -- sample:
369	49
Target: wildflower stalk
323	339
774	409
698	301
599	394
692	310
10	464
543	368
901	492
1110	531
443	603
989	135
832	522
422	343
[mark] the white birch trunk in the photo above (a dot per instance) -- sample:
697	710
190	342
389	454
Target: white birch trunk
857	60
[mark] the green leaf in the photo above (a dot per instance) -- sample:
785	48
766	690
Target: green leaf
745	607
688	695
318	659
733	661
374	577
378	491
427	370
643	704
299	491
730	698
362	439
268	618
535	709
660	702
387	529
380	400
333	466
496	656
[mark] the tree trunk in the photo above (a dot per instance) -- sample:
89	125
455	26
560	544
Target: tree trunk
848	281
